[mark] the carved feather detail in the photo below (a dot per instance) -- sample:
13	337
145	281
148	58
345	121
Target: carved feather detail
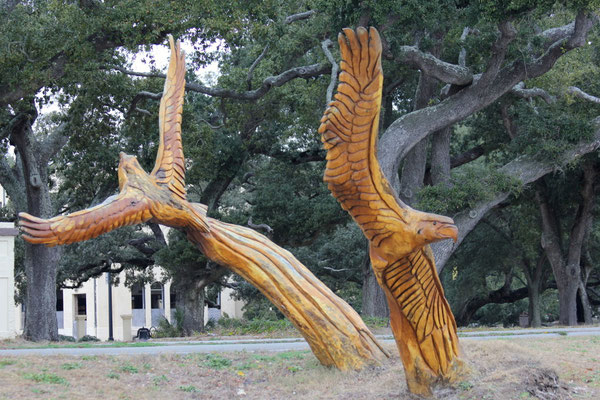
121	210
414	284
169	169
349	134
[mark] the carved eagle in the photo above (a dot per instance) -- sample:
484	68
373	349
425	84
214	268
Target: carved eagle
398	235
159	196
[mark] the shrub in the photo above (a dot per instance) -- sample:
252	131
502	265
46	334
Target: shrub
89	338
64	338
166	329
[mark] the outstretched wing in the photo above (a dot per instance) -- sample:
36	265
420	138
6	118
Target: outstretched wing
349	131
413	283
121	210
169	169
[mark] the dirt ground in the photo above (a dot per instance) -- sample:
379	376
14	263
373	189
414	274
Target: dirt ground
552	368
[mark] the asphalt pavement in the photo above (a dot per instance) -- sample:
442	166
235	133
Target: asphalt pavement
284	344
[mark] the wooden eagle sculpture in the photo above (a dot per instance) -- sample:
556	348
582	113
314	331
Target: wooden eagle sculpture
335	332
421	319
158	196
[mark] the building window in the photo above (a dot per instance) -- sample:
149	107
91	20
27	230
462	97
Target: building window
59	300
137	297
173	297
156	295
80	304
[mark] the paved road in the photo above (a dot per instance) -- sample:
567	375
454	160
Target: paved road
286	344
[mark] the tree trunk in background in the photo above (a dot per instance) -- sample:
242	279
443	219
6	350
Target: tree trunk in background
415	163
567	302
535	277
40	267
41	262
413	173
567	270
440	157
374	303
533	292
585	303
190	302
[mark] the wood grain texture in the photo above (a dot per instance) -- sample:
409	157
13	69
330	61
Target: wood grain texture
421	318
334	331
169	169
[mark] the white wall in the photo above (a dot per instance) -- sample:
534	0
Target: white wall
7	281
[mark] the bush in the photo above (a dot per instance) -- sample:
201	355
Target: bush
89	338
166	329
238	326
64	338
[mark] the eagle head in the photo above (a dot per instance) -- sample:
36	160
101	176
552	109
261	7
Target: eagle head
128	165
432	228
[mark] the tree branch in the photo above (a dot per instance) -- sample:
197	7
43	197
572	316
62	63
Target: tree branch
520	91
310	155
334	69
308	71
462	55
499	48
264	227
575	91
466	157
430	65
411	128
253	67
300	16
526	169
136	100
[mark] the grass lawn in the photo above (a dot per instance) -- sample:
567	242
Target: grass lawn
501	369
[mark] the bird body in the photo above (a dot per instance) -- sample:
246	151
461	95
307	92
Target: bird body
399	236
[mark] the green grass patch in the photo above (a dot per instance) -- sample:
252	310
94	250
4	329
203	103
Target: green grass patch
189	388
4	363
246	366
73	365
263	358
129	369
292	355
216	361
112	375
159	380
46	377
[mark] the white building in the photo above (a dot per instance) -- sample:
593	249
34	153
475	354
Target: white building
85	311
8	311
3	197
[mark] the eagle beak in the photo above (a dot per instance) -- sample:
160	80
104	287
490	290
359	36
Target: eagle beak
448	231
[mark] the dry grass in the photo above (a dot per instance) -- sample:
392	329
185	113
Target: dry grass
501	369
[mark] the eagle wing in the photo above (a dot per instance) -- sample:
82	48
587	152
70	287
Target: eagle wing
169	169
349	130
413	283
115	212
